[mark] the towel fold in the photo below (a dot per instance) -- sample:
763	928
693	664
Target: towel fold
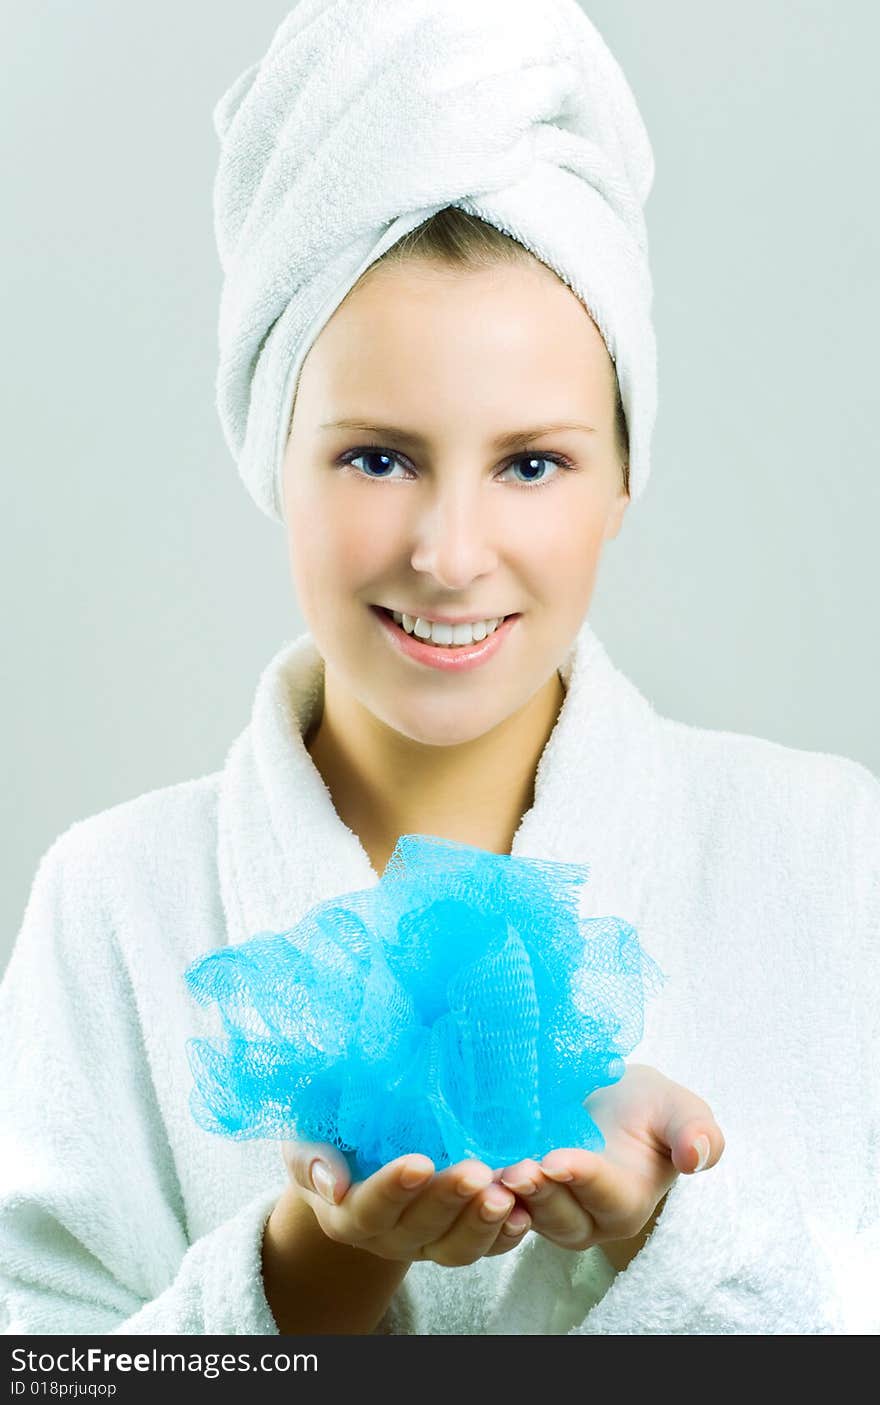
366	117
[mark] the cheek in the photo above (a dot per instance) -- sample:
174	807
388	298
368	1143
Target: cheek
338	545
565	545
582	539
566	566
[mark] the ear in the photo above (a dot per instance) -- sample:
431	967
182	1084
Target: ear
614	520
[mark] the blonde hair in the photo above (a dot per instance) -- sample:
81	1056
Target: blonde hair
460	240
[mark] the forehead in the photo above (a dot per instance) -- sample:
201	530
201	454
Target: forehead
508	340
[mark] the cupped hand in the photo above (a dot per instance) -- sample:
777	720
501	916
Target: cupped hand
654	1130
407	1211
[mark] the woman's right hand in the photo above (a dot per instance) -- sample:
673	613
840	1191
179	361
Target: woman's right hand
452	1217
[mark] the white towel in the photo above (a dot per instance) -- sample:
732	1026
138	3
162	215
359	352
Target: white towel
366	117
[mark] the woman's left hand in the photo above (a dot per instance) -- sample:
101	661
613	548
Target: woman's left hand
651	1128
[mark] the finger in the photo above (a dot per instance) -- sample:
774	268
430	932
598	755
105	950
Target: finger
318	1168
555	1212
508	1237
374	1206
697	1146
524	1178
533	1188
694	1138
617	1200
475	1231
513	1231
572	1165
429	1217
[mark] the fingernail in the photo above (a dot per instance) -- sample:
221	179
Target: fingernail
521	1187
514	1229
471	1183
557	1175
411	1176
495	1207
701	1147
323	1179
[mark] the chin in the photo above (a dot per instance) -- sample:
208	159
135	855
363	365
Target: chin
450	727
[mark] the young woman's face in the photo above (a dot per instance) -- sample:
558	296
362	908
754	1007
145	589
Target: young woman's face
430	515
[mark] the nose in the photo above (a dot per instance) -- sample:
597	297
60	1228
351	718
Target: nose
453	536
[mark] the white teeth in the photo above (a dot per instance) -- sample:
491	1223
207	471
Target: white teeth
423	630
447	635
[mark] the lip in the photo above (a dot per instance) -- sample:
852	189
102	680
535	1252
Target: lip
443	619
449	660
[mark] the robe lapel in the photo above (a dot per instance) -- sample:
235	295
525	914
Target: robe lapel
283	848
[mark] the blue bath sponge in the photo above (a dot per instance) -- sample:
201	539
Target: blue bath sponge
460	1007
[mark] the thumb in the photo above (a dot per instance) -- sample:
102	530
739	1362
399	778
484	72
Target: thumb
694	1138
318	1167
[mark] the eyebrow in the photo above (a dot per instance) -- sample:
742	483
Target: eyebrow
503	441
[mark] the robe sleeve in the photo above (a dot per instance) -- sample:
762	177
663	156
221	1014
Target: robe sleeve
93	1235
743	1248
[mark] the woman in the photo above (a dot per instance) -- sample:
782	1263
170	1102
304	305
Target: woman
406	739
408	488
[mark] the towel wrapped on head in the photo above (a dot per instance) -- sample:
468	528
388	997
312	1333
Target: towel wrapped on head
366	117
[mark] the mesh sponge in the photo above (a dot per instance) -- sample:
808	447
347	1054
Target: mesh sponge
460	1007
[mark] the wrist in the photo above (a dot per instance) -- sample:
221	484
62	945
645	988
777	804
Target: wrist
292	1220
621	1252
316	1284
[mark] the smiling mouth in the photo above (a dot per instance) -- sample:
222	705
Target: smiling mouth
450	647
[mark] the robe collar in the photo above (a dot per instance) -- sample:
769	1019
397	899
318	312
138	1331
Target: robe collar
283	847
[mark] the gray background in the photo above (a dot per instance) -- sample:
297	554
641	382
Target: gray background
144	591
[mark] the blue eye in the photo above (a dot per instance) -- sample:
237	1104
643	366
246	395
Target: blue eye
532	459
368	454
389	458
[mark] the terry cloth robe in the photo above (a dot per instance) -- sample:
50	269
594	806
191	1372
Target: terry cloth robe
751	872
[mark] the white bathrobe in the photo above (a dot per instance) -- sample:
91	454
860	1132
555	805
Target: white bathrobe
751	871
